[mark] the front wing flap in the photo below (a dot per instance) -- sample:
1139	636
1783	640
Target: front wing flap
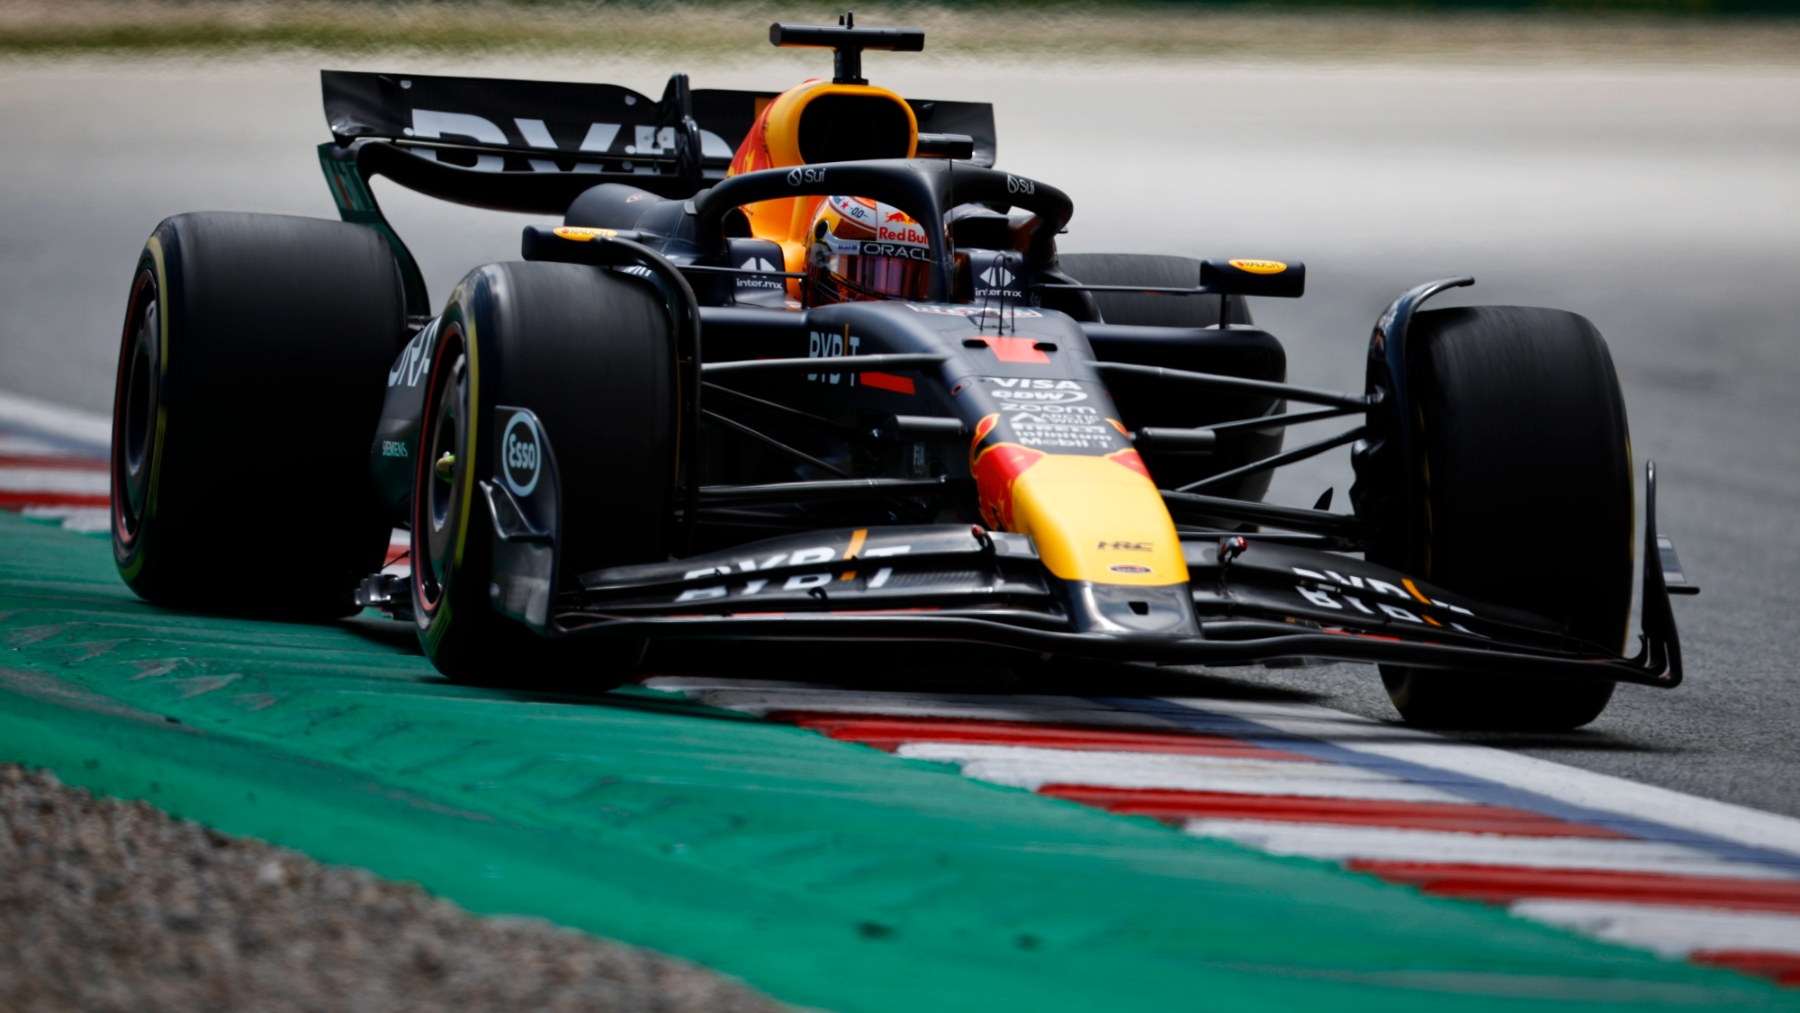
1256	602
914	567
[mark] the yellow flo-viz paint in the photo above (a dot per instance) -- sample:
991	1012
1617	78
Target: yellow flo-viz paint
1094	519
1259	266
583	235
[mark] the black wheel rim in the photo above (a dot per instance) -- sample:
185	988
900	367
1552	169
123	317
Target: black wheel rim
438	511
134	435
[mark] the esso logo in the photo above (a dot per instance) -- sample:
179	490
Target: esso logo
1135	569
521	454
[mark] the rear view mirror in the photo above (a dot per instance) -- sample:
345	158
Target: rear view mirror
1280	279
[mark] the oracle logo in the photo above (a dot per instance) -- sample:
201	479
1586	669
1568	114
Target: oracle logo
896	250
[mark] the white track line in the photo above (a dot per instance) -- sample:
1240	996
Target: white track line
69	480
1567	784
1052	709
30	417
692	685
85	520
29	446
33	428
1345	843
1667	929
1033	767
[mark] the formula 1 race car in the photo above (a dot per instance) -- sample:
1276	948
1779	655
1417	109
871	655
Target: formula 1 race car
805	366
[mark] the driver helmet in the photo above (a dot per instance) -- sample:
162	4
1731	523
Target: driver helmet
860	249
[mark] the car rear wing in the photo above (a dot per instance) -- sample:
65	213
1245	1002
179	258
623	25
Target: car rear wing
565	136
534	146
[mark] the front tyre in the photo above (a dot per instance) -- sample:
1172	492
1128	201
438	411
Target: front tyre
1524	499
591	352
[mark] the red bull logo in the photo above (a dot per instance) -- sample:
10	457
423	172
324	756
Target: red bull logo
905	234
996	468
1128	458
1093	516
982	429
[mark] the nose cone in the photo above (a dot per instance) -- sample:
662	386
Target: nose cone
1097	519
1099	525
1109	608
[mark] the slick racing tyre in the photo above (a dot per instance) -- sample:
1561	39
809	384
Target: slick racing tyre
592	354
1526	488
250	379
1150	271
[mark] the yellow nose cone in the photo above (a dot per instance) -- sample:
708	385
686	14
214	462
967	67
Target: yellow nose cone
1095	519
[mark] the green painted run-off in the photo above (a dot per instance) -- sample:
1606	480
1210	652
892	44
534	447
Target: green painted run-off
828	874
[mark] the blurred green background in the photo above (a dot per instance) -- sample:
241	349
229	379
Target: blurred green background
1678	30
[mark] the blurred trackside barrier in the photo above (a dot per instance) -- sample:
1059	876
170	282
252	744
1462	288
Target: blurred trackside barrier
1076	28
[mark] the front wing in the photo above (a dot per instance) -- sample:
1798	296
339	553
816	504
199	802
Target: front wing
1252	601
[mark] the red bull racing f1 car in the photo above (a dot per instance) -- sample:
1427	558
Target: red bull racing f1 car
806	366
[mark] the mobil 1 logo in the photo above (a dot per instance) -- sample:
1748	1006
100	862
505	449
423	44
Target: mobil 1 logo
521	452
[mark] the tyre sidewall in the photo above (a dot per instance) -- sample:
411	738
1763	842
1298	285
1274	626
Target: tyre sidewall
451	611
459	629
274	337
1524	490
136	530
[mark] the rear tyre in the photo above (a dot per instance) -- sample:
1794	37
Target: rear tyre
250	379
592	354
1152	271
1526	489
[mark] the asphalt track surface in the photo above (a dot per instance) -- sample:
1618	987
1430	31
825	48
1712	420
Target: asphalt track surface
1660	203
